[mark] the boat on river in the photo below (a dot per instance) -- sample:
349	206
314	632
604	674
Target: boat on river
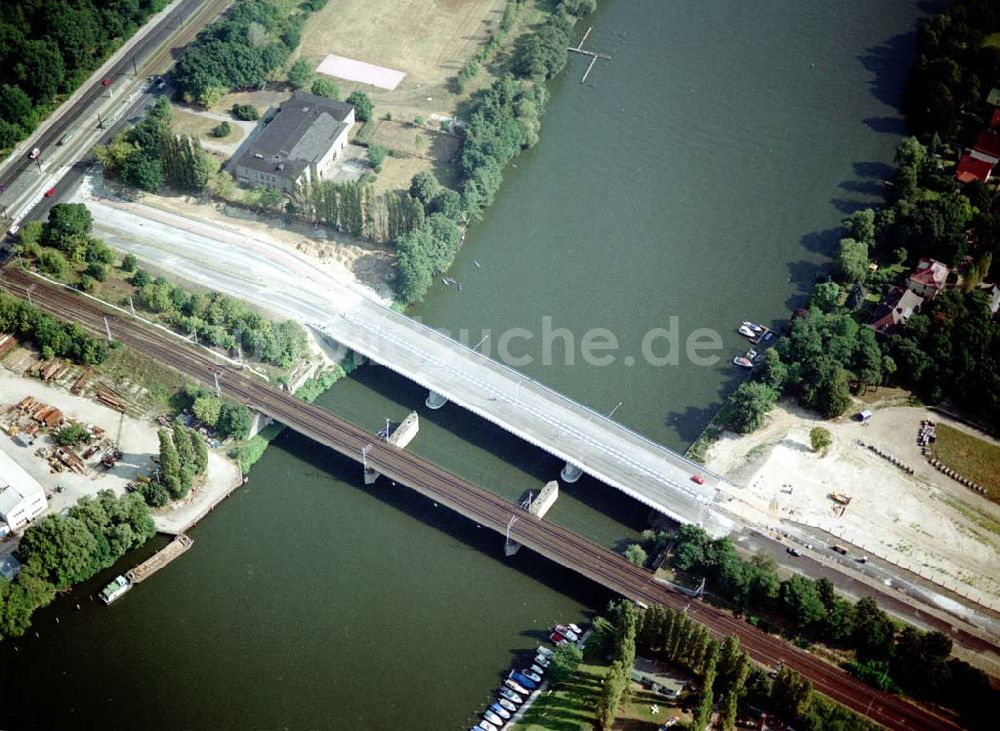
516	687
567	632
753	326
742	362
523	680
533	676
746	332
115	590
544	651
541	660
510	696
493	718
500	711
506	704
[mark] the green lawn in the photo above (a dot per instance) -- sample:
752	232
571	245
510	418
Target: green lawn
971	457
571	706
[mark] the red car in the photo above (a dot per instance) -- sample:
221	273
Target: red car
50	192
698	479
106	82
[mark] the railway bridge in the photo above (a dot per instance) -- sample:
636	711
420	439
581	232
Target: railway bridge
551	541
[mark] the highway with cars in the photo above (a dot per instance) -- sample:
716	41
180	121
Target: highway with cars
31	184
553	542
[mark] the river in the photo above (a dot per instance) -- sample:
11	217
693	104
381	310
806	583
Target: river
699	174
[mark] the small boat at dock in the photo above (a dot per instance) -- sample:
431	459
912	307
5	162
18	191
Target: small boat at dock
537	670
507	694
516	687
742	362
575	628
746	332
535	677
753	326
523	680
500	711
115	590
567	632
558	638
544	651
487	726
541	661
493	718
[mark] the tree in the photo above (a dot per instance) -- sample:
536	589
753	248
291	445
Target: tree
565	660
182	441
376	156
635	554
143	172
129	263
802	602
703	711
851	261
72	435
873	630
67	223
578	8
825	296
326	87
748	406
424	186
447	203
235	420
207	409
245	112
200	453
362	105
860	226
820	439
52	262
774	373
615	683
170	465
301	74
141	278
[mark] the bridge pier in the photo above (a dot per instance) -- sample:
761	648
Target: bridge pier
435	401
401	436
571	473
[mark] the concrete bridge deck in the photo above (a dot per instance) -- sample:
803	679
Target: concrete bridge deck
610	452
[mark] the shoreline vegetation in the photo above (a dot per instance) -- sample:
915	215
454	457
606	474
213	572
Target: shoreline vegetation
948	350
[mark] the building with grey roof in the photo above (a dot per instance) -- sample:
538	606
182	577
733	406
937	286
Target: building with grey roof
299	145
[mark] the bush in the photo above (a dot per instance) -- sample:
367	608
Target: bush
327	88
363	107
246	112
376	156
141	278
221	130
70	436
129	263
52	262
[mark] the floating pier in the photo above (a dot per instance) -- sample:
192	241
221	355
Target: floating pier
161	558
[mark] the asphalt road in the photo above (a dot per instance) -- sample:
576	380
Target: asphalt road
24	181
487	509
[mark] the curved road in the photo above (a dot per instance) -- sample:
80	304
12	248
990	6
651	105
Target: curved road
476	503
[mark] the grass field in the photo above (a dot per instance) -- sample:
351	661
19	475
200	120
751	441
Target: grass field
436	151
429	40
200	127
571	706
970	456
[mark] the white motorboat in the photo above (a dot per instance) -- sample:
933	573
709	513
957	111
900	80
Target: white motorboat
506	704
575	628
567	632
500	711
487	726
493	718
537	670
510	696
516	687
532	676
753	326
545	651
542	660
742	362
746	332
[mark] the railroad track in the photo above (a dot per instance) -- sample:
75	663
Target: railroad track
551	541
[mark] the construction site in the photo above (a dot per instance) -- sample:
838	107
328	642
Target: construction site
118	442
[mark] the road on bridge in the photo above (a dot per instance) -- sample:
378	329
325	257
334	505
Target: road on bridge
551	541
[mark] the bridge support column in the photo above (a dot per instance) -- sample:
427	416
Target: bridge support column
570	473
435	401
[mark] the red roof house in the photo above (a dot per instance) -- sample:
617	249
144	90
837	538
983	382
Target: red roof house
987	147
970	168
928	278
895	309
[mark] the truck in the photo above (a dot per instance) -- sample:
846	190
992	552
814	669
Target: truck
839	549
841	498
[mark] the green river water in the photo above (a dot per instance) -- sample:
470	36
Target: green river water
699	174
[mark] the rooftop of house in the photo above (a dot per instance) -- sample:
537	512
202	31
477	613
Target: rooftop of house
988	142
930	273
301	133
970	168
897	307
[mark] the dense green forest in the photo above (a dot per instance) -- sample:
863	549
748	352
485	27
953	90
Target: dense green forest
48	48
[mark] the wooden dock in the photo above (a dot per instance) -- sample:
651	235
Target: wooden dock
161	558
593	56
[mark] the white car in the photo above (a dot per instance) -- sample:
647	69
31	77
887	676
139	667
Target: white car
34	153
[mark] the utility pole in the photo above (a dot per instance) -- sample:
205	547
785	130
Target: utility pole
614	409
38	162
513	519
107	329
387	428
485	338
239	350
131	306
364	454
218	389
135	69
29	294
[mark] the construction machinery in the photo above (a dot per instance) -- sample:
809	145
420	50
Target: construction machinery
114	453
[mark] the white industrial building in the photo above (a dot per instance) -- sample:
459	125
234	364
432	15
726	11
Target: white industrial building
21	497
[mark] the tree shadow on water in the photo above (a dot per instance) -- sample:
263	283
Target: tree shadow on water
888	63
886	125
873	169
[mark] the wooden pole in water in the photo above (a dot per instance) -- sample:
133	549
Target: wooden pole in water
583	40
